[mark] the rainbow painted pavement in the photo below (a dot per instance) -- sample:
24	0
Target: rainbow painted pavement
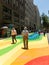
13	54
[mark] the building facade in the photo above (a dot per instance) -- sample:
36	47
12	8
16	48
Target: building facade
29	14
20	13
12	12
36	17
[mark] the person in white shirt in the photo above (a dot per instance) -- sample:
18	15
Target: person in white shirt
25	37
13	34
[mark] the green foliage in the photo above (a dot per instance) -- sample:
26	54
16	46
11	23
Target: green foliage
45	20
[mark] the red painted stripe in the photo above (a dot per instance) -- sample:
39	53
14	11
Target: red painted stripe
39	61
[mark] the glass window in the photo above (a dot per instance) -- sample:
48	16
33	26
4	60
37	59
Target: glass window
7	1
7	10
17	3
15	14
22	1
6	17
14	1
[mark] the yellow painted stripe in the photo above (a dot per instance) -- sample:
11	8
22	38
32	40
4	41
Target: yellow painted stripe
12	54
6	43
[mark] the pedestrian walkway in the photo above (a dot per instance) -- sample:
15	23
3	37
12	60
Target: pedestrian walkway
14	54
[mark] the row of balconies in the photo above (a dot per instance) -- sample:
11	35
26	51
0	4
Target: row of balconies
10	11
12	3
15	17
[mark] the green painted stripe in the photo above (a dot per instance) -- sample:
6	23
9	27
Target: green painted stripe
18	37
5	50
9	48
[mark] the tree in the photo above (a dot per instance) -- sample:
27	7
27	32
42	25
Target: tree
45	20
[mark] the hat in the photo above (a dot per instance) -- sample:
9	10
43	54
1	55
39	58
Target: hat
25	28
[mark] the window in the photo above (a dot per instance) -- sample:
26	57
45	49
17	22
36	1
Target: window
6	17
22	1
16	20
15	14
7	10
7	1
15	3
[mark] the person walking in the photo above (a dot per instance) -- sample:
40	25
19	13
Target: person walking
13	34
25	37
34	28
39	32
44	32
48	37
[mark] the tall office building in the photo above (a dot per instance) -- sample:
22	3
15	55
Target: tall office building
29	14
32	15
19	13
36	17
12	12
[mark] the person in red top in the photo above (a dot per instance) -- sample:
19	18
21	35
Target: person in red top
13	34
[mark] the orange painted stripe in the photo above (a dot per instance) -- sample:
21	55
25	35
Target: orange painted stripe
31	54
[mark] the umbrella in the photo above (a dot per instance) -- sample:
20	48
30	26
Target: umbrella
4	27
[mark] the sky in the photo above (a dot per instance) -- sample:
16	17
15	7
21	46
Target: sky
43	6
